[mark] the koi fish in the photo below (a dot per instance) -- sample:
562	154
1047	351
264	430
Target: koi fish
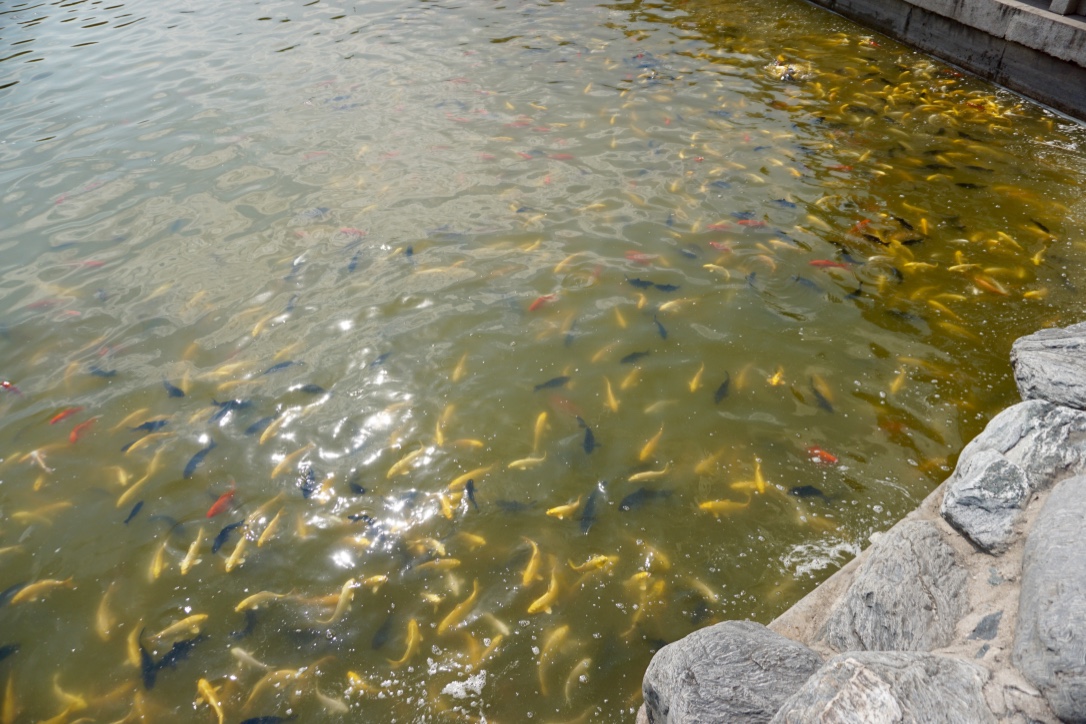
722	507
414	637
827	264
660	328
10	387
78	429
589	437
224	536
222	503
588	515
633	357
639	283
195	460
552	383
546	601
822	393
39	589
638	257
722	391
641	497
460	611
135	510
540	301
820	456
65	414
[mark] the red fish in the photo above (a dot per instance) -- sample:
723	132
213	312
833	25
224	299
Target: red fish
840	167
540	301
564	404
720	246
10	387
827	264
638	257
78	429
221	504
719	226
64	415
561	156
351	231
487	156
859	226
522	154
820	456
753	223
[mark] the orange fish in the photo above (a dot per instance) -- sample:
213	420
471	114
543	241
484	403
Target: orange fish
65	414
540	301
222	503
639	258
827	264
78	430
820	456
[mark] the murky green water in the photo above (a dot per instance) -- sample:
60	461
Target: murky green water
726	285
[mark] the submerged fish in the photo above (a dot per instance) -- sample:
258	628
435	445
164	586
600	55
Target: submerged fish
806	491
641	497
224	535
722	391
172	390
135	511
633	357
589	436
588	513
195	460
552	383
151	425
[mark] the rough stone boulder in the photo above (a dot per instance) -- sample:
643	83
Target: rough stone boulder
1051	365
1050	641
1024	449
907	596
872	687
733	671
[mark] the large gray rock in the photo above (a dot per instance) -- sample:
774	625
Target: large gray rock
907	596
1051	365
1050	641
986	499
1024	449
892	687
733	671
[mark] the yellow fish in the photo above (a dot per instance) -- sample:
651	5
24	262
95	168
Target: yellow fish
414	637
40	589
400	467
531	571
460	611
722	507
565	511
544	602
650	447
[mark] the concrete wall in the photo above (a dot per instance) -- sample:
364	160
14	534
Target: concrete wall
1020	45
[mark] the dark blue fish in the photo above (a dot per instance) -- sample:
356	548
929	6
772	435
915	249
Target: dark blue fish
806	491
269	719
640	497
171	390
179	652
291	302
783	203
633	357
135	511
690	252
409	251
99	372
720	184
151	425
470	490
250	625
362	518
804	281
857	293
743	215
589	437
763	148
224	536
640	283
356	488
659	327
7	650
260	425
846	256
667	287
225	408
380	359
176	225
552	383
750	279
307	481
588	513
722	391
382	634
147	665
311	389
195	460
8	593
280	366
353	264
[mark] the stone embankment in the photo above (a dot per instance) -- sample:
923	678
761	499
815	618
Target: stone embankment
972	609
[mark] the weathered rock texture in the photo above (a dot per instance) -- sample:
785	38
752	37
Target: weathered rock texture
888	686
1025	449
908	596
1051	365
733	671
1050	641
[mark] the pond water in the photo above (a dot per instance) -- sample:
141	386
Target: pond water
441	361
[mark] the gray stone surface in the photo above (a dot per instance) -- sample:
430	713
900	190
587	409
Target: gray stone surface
733	671
1050	640
908	595
1047	441
893	687
1051	365
986	499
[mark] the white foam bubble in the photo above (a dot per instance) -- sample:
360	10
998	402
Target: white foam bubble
464	689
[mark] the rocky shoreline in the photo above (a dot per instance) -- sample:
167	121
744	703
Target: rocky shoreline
971	609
